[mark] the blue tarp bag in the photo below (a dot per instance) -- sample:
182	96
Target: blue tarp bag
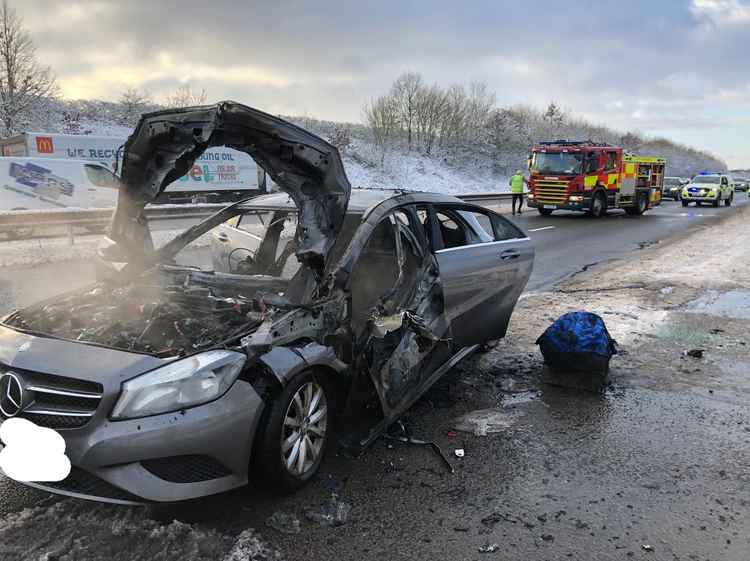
577	341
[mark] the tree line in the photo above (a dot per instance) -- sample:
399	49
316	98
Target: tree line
459	120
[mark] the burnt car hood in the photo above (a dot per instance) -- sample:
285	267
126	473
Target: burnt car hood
70	359
165	144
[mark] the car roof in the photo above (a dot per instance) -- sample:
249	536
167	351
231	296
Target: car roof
361	201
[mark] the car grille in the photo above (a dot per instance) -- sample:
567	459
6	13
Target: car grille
186	469
54	401
83	483
549	191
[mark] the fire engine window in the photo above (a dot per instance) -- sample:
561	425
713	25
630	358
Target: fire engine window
592	163
611	161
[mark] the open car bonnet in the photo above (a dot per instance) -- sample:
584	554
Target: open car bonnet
165	144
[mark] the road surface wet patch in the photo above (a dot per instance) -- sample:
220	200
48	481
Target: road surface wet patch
731	304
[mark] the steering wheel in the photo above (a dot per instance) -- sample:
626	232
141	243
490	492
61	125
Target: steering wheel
241	261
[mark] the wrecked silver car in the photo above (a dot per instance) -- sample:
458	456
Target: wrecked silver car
231	352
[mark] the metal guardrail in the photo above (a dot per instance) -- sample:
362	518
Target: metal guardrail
17	224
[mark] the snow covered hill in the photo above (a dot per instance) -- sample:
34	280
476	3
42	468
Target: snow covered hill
481	166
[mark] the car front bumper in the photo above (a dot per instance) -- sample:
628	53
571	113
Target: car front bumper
694	198
178	456
585	204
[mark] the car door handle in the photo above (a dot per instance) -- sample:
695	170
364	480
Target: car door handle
510	254
222	237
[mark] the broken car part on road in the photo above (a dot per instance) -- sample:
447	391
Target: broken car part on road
231	353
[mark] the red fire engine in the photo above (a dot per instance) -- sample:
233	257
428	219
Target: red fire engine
591	177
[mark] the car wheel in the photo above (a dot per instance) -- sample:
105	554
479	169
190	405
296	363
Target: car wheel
598	205
544	211
715	202
684	203
728	202
294	432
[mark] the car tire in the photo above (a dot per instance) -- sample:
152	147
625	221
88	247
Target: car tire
291	442
544	211
599	205
715	202
684	203
728	202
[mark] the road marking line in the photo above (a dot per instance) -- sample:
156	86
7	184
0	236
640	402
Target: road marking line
540	229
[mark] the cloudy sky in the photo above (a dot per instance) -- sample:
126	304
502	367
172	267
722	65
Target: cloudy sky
677	68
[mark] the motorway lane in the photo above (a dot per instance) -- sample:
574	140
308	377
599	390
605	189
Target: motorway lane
566	242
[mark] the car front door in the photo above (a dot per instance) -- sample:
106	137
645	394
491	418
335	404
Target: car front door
401	333
485	262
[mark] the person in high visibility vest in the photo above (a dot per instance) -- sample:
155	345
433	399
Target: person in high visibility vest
516	183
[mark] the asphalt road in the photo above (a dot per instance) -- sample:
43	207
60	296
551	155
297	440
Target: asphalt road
408	508
566	242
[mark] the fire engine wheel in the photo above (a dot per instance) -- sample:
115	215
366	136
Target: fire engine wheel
599	205
640	206
545	211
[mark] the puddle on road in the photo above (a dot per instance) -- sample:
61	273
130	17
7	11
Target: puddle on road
733	304
491	421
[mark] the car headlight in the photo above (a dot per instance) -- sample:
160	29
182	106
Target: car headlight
576	198
530	196
184	383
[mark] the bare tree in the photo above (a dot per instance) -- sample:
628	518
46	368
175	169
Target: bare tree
553	114
133	102
430	108
405	92
453	124
24	82
381	116
186	96
478	109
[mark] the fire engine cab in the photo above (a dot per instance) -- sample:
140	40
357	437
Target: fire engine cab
593	178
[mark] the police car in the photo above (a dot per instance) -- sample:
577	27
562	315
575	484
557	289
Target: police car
708	188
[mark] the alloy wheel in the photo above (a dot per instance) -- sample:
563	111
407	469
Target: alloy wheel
304	432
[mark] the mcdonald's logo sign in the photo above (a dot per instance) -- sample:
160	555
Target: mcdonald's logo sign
44	145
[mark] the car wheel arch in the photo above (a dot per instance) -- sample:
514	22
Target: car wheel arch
286	362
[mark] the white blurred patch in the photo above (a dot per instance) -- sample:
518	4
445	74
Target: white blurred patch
32	453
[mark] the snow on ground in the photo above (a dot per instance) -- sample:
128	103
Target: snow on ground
73	529
418	172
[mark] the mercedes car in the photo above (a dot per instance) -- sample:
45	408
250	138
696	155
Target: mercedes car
239	350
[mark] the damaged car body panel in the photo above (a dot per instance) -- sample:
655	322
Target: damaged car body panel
165	144
235	347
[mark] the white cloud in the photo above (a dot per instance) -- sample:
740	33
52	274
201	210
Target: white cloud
32	453
722	12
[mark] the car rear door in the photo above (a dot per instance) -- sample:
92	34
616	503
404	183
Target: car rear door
485	262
